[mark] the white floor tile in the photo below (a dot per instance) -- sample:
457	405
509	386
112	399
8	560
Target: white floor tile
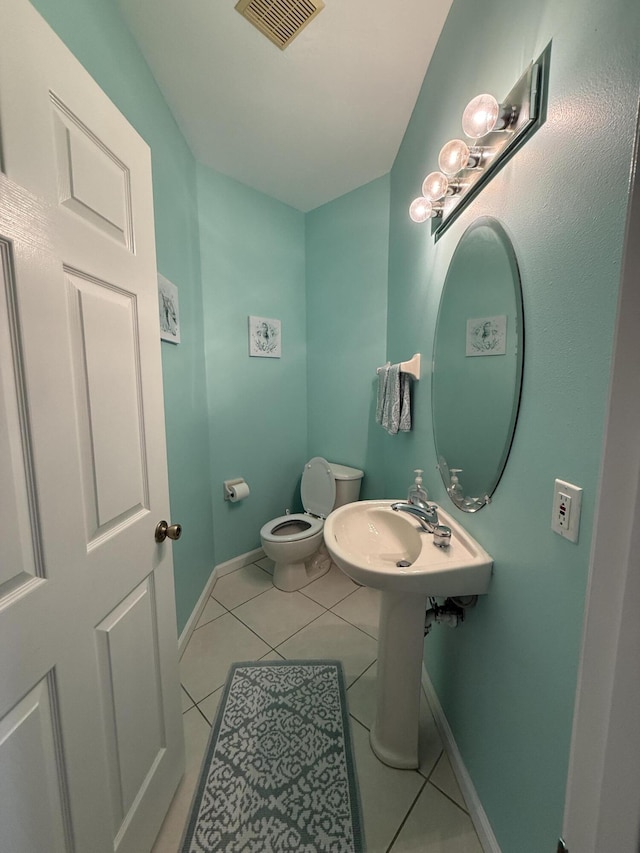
273	655
437	825
362	609
196	734
266	563
211	611
361	697
330	588
430	746
187	701
209	705
386	794
276	615
240	586
330	637
444	778
211	651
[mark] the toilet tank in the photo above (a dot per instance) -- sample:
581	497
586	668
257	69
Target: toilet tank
348	482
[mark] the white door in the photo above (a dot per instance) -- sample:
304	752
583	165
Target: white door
91	745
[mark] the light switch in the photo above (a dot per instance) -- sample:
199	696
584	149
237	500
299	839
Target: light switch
567	502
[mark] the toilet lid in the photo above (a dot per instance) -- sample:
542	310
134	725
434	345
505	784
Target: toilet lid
318	487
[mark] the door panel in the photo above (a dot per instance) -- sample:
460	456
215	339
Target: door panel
130	675
18	520
92	181
107	380
33	796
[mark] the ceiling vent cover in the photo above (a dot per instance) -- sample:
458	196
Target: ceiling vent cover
280	20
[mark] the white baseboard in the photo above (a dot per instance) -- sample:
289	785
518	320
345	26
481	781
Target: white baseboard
239	562
218	572
476	812
192	621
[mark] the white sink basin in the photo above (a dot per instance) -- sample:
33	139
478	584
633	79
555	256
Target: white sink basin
367	539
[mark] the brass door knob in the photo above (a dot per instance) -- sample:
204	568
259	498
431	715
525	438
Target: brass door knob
164	530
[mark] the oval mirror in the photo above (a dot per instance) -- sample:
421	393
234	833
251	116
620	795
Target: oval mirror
477	364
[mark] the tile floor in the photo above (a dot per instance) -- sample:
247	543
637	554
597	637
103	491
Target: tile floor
247	618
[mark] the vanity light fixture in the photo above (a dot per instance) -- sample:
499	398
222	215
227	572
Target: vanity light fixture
435	186
495	131
422	209
456	155
484	114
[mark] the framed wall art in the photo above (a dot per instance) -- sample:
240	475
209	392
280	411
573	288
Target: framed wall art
169	311
487	336
265	337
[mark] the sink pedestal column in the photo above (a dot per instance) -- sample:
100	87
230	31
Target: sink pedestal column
394	735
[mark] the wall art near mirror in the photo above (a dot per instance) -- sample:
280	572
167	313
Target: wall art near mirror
169	311
477	364
265	337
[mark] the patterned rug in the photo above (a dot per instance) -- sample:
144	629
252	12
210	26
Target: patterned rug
278	775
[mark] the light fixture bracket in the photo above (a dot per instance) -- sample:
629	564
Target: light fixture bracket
530	94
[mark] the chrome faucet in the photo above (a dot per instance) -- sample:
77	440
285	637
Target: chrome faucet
427	515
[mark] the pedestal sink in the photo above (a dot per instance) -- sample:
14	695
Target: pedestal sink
388	550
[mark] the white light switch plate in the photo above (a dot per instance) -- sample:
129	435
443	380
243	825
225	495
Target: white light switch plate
567	503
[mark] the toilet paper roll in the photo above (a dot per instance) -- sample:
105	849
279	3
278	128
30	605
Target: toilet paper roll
238	492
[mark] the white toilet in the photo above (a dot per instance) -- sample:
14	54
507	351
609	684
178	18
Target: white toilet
295	542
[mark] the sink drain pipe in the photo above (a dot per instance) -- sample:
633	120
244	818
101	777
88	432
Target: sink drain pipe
450	613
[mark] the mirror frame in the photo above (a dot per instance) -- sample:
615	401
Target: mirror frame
467	504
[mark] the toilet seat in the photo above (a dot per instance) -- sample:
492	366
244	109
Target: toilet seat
318	487
275	530
318	493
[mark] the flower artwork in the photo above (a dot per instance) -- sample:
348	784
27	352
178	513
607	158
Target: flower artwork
265	337
169	313
487	336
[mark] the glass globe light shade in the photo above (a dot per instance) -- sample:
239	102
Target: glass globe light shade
420	209
480	116
435	186
454	156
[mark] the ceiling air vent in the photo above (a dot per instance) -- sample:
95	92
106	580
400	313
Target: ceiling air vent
280	20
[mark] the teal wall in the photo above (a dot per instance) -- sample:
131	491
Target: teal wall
507	678
96	33
346	274
252	264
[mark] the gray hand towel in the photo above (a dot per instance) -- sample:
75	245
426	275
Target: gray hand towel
383	373
393	410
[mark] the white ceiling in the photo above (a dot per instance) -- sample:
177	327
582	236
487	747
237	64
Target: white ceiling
304	125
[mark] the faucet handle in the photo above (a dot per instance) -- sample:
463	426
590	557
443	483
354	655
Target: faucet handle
442	536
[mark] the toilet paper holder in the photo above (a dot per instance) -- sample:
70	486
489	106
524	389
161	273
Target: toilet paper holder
228	487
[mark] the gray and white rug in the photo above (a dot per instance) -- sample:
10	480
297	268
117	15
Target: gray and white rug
278	775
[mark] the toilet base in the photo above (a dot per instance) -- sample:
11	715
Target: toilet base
292	576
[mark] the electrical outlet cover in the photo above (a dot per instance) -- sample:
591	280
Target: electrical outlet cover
565	517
